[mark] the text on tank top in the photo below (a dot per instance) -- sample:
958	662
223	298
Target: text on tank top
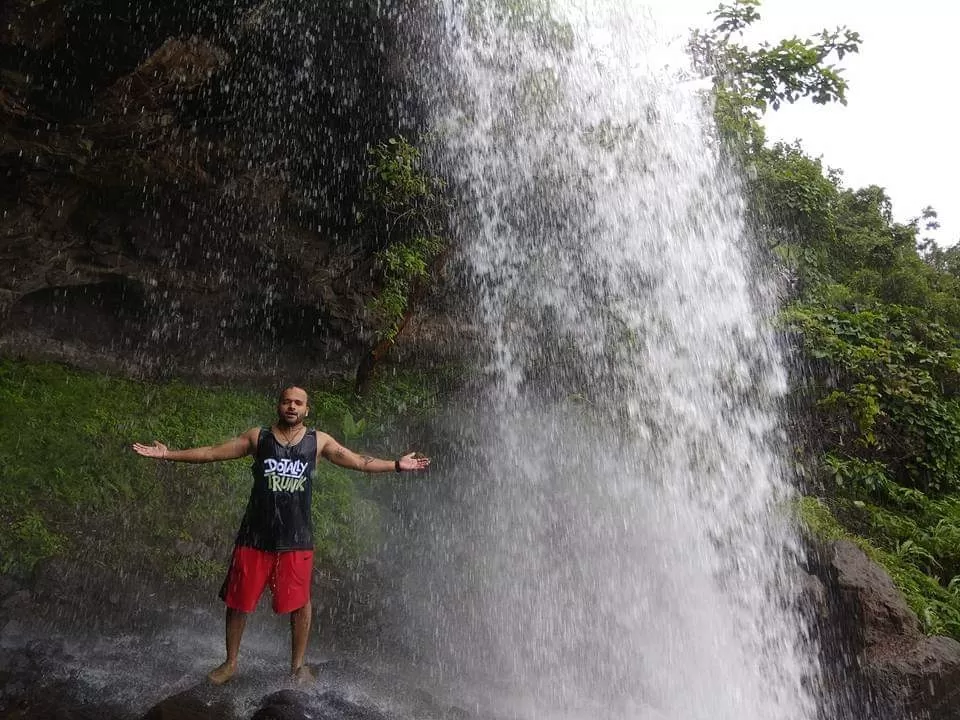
278	515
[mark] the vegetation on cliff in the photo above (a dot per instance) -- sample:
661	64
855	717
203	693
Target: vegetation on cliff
873	314
407	206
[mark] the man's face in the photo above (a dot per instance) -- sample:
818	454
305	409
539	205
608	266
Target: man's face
292	408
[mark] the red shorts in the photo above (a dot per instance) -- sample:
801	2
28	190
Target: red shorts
288	574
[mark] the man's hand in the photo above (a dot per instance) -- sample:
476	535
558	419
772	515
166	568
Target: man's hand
336	453
157	450
232	449
411	462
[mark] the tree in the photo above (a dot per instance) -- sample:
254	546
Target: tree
748	81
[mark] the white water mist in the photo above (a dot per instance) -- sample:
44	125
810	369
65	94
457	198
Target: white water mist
612	541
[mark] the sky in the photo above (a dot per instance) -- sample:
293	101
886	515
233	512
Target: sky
899	128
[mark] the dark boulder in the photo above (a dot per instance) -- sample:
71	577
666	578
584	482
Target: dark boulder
878	664
889	626
928	675
202	702
298	705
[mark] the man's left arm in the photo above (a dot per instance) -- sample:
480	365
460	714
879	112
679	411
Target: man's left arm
336	453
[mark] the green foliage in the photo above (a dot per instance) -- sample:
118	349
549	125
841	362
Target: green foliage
192	568
887	395
398	183
749	80
817	519
402	392
943	260
332	502
841	246
853	474
405	264
796	202
26	539
411	207
881	387
937	609
68	465
351	428
531	17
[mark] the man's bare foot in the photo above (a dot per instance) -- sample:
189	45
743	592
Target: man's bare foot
303	676
220	675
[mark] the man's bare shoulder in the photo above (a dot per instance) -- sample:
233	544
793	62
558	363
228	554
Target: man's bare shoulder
322	437
252	437
325	442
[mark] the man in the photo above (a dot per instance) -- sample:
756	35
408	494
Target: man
275	542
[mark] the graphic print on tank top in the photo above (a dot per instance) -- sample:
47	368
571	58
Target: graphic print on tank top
278	515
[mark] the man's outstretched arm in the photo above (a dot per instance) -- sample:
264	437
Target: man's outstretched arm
339	455
234	448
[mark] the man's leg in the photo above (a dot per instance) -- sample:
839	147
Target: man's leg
299	635
291	594
249	572
236	622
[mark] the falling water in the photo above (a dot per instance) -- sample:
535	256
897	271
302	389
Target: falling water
611	540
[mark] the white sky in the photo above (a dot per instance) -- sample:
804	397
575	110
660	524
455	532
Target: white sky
900	128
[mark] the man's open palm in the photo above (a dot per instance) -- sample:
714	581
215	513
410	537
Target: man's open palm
157	450
411	462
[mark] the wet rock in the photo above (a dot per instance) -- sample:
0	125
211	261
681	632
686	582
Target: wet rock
927	676
32	710
155	209
202	702
330	705
878	663
56	702
8	586
12	631
178	65
34	24
19	600
142	108
284	705
813	593
890	627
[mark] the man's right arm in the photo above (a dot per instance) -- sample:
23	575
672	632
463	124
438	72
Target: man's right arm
237	447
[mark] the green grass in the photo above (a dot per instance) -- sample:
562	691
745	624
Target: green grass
72	486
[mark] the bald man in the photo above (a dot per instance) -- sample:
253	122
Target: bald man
274	545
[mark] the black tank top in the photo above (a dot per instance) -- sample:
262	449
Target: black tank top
278	515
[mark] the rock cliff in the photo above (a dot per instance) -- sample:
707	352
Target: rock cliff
182	182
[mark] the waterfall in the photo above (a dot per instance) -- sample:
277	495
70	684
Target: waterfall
612	535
